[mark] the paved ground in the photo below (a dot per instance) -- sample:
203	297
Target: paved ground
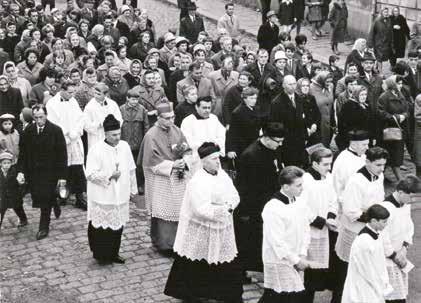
60	268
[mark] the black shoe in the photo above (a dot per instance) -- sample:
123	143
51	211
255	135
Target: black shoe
42	234
81	202
119	260
247	280
57	211
62	202
23	223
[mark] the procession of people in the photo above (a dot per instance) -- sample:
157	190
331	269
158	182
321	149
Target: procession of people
249	160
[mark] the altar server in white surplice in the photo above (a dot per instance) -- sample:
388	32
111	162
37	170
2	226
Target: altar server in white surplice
364	189
367	280
321	199
95	112
286	238
399	232
111	174
64	111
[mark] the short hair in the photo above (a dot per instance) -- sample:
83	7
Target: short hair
59	53
262	50
289	46
284	36
349	79
247	74
47	28
194	65
300	39
376	153
90	71
35	29
289	174
107	38
30	51
188	89
205	99
101	87
108	53
320	154
228	5
47	72
147	72
377	212
308	55
38	107
351	64
66	84
409	185
133	93
249	91
75	70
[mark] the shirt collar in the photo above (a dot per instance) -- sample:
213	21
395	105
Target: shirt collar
370	177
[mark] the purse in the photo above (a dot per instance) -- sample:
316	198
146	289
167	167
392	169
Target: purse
393	133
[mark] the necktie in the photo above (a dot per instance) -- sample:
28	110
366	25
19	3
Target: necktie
232	21
374	178
290	64
292	100
40	130
262	68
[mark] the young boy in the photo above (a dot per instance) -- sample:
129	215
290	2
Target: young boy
10	194
187	108
367	279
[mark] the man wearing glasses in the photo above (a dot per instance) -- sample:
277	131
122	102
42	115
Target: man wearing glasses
163	155
257	177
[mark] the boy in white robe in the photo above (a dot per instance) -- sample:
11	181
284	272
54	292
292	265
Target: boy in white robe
364	189
95	112
286	238
399	233
367	280
321	199
64	111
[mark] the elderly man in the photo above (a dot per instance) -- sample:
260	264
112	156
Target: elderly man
162	155
118	86
226	49
42	163
195	78
256	182
111	174
287	108
206	263
229	21
168	50
95	112
192	24
65	112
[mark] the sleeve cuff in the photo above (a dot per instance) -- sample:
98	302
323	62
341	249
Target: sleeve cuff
318	223
331	215
405	244
392	256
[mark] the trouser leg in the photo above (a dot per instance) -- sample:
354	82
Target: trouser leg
265	9
76	179
2	213
44	222
20	212
396	301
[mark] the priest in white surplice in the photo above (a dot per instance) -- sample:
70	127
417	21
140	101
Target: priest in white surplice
111	173
399	232
286	238
64	111
202	126
363	189
95	112
206	263
367	280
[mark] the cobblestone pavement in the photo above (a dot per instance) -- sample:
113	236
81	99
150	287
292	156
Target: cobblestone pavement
60	268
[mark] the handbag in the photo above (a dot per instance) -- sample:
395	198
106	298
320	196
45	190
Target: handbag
393	133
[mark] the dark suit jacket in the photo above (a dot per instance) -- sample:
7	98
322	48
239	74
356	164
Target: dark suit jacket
268	36
11	102
282	110
414	81
244	129
191	30
43	160
268	71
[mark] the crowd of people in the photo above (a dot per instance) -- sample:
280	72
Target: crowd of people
249	160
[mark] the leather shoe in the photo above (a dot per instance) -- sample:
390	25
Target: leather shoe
23	223
42	234
119	260
57	211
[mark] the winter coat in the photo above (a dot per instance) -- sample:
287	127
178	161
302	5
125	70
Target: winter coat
135	125
10	191
314	10
338	19
400	36
381	39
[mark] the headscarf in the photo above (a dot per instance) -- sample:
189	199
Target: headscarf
130	67
392	86
321	78
298	89
8	63
129	21
356	94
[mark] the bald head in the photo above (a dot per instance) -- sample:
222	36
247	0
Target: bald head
289	84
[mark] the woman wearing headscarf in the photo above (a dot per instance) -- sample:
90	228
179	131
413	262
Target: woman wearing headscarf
11	71
321	88
355	115
357	54
393	111
133	76
125	21
312	116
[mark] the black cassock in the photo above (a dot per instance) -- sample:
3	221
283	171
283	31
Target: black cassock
257	181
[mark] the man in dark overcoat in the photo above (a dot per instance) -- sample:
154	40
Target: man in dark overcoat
191	25
257	180
268	34
287	108
43	163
